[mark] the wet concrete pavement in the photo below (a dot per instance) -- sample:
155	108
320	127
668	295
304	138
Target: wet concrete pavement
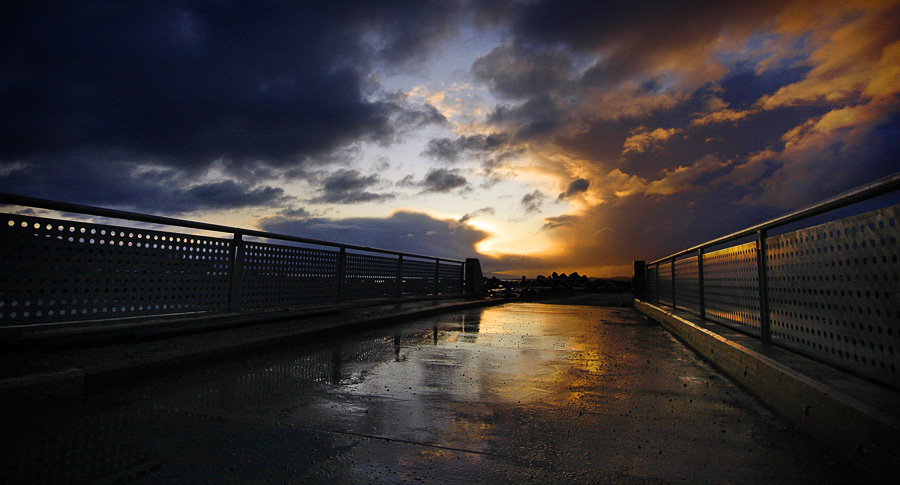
523	392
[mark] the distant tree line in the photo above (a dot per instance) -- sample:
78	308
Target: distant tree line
556	281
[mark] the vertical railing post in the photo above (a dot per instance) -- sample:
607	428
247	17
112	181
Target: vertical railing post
437	275
674	306
235	272
474	284
657	283
765	331
639	280
701	298
400	277
342	275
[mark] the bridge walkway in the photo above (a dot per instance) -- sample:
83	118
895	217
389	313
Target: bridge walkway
561	391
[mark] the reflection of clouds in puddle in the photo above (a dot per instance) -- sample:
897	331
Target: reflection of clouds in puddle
520	353
514	354
437	381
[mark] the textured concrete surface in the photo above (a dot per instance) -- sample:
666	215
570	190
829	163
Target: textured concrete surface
518	393
857	417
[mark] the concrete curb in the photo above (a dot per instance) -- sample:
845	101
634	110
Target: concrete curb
99	332
73	382
865	435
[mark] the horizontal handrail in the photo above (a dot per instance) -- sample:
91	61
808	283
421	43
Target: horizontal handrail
24	201
879	187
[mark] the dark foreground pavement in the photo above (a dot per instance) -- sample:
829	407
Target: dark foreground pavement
519	393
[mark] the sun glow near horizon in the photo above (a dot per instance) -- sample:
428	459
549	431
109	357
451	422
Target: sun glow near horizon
502	241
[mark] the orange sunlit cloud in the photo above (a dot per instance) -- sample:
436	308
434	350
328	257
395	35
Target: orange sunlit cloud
852	62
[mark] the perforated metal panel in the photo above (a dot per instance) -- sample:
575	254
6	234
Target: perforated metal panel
450	278
278	275
687	284
55	271
731	289
418	277
664	283
834	292
368	276
62	271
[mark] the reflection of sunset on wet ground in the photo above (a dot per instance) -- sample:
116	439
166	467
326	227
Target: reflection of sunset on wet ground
520	393
541	136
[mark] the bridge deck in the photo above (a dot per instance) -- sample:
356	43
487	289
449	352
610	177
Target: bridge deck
523	392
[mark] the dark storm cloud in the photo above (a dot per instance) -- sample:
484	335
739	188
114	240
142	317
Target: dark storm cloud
437	180
415	117
538	116
451	150
557	49
133	186
443	180
635	34
295	213
187	83
229	194
577	186
602	140
515	72
559	221
471	215
349	187
546	70
612	235
403	231
532	202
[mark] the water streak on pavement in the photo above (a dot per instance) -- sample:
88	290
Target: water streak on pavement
524	392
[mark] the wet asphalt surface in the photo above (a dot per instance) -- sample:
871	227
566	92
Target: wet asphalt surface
519	393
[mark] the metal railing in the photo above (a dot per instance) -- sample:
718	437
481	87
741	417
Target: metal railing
831	291
62	271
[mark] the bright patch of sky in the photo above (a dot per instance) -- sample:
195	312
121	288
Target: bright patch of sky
445	82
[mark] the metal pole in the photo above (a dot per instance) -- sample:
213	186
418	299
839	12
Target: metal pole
474	284
765	331
700	290
400	276
639	280
657	283
674	306
437	275
235	272
341	275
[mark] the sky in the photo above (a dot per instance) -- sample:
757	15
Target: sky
538	136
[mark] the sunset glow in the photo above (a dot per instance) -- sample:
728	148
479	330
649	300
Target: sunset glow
539	136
